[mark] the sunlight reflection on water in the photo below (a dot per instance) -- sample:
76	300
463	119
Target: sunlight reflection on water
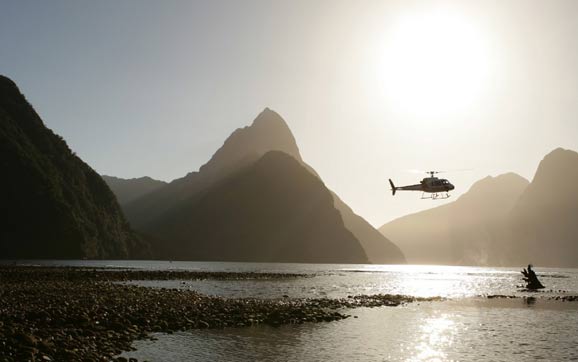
498	330
420	281
340	280
438	331
437	336
464	328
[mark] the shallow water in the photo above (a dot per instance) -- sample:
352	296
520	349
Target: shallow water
435	331
341	284
463	328
341	280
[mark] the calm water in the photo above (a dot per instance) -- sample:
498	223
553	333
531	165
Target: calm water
466	327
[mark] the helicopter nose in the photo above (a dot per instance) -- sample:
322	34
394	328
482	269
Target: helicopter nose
451	187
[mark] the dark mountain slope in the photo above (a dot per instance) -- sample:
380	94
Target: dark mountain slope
273	210
243	147
269	132
544	221
53	205
127	190
379	249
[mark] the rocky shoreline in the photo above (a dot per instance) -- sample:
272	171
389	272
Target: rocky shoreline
67	313
531	298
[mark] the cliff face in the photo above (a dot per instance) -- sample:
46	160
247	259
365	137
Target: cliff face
473	230
544	220
241	150
271	211
53	204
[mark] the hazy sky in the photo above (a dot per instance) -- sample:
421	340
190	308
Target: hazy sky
369	88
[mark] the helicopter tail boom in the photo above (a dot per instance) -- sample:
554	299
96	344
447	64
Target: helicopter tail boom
393	188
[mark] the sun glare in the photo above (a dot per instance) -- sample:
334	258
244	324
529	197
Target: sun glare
434	63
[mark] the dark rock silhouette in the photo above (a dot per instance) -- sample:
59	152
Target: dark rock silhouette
531	279
127	190
378	248
473	230
544	220
53	205
273	210
242	149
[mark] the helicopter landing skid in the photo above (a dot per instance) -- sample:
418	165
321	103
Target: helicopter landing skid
436	196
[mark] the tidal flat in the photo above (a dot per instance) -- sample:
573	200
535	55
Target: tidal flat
80	313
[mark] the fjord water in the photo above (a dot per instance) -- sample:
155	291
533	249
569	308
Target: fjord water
464	327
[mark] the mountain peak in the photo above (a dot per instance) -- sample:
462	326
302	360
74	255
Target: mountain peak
544	219
271	121
268	132
555	177
559	151
496	185
9	90
559	155
561	164
4	80
14	103
266	114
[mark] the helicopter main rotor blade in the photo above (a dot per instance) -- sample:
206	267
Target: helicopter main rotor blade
418	171
414	170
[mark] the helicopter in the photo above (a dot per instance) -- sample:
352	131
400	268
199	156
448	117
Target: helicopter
438	188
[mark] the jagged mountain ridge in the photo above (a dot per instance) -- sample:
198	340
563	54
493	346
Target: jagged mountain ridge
269	132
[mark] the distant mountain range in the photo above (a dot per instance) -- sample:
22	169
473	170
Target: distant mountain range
500	221
257	200
129	190
467	231
262	223
53	205
254	200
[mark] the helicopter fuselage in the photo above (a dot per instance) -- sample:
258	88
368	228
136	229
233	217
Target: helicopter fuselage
432	185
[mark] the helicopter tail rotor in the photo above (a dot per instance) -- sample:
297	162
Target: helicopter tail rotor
393	189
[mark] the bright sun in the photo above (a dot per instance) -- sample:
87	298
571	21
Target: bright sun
434	64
